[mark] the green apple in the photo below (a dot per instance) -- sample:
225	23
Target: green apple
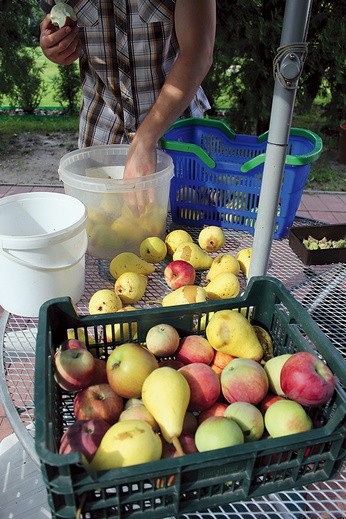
286	417
218	432
248	417
273	369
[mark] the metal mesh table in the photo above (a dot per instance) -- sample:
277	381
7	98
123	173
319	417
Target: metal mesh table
321	290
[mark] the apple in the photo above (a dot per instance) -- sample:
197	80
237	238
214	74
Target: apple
172	363
307	379
139	412
249	419
179	273
62	14
268	400
190	423
218	432
220	361
187	442
162	340
244	380
100	372
127	367
74	369
98	401
83	436
217	409
286	417
204	385
72	344
194	348
273	369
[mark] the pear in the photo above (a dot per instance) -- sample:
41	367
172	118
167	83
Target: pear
223	286
131	287
104	301
185	295
223	263
127	443
230	332
266	342
193	254
175	238
244	258
166	395
211	238
153	249
129	262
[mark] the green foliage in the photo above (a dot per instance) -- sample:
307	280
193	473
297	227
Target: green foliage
66	87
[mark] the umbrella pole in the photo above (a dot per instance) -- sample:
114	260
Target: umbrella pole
288	66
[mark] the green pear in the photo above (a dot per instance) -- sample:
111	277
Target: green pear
185	295
193	254
223	263
166	395
223	286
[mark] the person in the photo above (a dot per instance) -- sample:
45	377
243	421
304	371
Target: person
141	62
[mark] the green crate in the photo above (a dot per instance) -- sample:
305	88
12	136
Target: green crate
201	480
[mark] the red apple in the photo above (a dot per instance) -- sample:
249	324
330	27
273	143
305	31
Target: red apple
179	273
187	443
307	379
100	372
98	402
244	380
127	367
190	423
204	385
217	409
83	436
72	344
162	340
172	363
62	14
268	400
74	369
195	348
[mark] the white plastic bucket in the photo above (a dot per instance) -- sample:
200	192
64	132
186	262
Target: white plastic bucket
43	242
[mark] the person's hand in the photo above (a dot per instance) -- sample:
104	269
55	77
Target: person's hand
61	46
140	161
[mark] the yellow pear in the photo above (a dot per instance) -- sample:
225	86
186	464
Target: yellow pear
223	286
127	231
127	443
185	295
244	258
129	262
131	287
104	301
175	238
230	332
193	254
211	238
153	249
223	263
166	395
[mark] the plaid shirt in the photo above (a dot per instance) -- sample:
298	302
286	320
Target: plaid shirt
129	46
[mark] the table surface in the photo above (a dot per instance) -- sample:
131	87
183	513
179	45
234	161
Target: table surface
321	290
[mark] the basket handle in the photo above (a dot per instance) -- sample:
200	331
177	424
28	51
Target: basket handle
292	160
202	121
188	148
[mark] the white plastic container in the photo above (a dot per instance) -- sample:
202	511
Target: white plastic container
121	212
43	242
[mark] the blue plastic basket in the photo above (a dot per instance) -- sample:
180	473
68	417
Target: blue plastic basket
218	174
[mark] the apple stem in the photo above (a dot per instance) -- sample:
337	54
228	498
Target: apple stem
178	446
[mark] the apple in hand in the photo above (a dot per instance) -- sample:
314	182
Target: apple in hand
195	348
98	401
74	369
162	340
204	385
179	273
273	369
83	436
286	417
307	379
248	417
244	380
127	367
217	432
62	14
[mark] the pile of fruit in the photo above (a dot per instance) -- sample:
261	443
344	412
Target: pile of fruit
312	243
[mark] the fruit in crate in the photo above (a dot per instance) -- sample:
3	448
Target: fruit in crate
273	369
244	258
217	409
185	295
100	372
193	254
175	238
266	342
139	412
62	14
223	263
127	443
128	366
74	368
194	348
231	333
211	238
223	286
83	436
286	417
153	249
162	340
129	262
98	401
130	287
244	380
248	417
104	301
179	273
307	379
220	361
204	385
166	395
218	432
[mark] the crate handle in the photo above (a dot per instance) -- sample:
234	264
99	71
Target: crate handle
292	160
201	121
188	148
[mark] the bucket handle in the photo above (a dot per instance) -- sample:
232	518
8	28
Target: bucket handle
23	263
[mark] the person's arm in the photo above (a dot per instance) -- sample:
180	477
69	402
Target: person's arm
195	24
60	46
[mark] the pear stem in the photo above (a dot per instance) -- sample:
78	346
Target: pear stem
178	446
